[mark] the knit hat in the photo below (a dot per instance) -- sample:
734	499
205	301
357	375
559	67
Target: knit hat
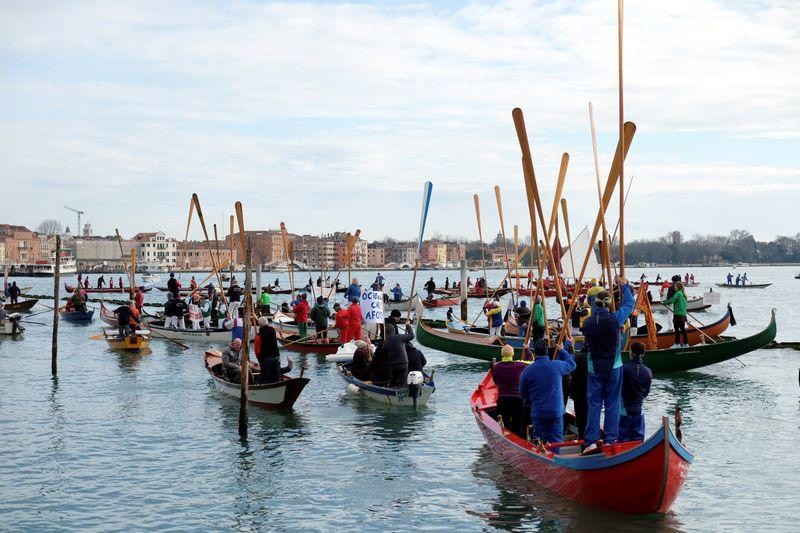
540	348
507	353
395	313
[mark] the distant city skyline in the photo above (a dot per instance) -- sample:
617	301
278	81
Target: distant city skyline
331	116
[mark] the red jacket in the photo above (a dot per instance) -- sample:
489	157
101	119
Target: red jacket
301	311
354	314
138	299
342	319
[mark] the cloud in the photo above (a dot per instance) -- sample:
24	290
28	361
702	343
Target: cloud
316	113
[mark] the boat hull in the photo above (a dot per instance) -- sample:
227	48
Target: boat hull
115	290
385	395
751	286
280	395
76	316
631	478
140	341
215	335
19	307
660	361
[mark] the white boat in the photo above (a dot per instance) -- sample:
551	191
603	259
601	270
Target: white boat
215	335
280	395
403	396
344	354
43	268
151	277
696	303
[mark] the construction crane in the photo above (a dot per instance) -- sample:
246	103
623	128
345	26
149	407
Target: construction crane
78	231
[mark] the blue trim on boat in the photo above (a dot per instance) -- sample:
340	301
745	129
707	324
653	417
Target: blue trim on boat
685	454
386	391
595	462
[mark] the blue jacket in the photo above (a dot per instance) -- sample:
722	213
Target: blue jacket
602	332
398	293
541	387
636	380
353	291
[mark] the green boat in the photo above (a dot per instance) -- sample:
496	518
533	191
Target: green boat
669	360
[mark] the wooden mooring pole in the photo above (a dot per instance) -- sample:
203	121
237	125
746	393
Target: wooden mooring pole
56	282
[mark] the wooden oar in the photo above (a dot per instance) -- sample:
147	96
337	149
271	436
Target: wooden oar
516	260
606	267
620	10
248	302
620	154
503	232
170	339
565	214
196	201
426	203
182	257
480	239
304	339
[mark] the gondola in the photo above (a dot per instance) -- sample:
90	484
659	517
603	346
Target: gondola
108	316
75	316
19	307
409	396
750	286
631	477
660	361
280	395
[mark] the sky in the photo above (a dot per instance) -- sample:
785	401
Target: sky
330	116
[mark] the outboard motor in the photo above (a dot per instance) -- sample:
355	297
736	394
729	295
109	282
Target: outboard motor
15	321
415	381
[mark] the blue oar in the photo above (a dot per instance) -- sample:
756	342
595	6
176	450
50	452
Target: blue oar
426	202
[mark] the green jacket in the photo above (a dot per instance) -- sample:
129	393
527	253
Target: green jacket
538	315
265	299
320	315
679	303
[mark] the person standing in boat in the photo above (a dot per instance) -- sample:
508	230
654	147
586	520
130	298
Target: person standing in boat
342	323
111	283
353	291
120	282
138	299
394	346
539	326
738	279
205	311
14	292
234	296
658	279
265	301
678	301
380	281
320	315
86	282
430	286
101	281
636	381
172	286
80	279
124	317
266	350
744	279
169	312
602	338
193	284
730	279
494	314
397	292
301	311
523	314
506	375
541	386
354	320
195	313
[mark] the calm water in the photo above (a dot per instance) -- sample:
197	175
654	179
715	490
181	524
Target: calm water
140	441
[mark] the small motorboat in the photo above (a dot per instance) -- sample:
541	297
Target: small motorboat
139	340
629	477
12	326
151	277
24	305
418	392
75	316
280	395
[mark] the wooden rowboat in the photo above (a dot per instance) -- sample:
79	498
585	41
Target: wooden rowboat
669	360
75	316
215	335
751	286
386	395
24	305
440	302
139	341
313	345
108	316
280	395
630	477
107	290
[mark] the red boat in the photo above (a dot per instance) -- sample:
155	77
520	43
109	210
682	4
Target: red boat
440	302
107	290
630	477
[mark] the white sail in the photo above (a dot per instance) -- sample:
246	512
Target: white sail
580	244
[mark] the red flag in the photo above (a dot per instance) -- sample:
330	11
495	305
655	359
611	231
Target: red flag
558	251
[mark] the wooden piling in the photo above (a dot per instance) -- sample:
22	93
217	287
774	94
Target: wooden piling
245	354
56	283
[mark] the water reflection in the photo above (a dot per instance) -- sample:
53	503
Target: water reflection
522	505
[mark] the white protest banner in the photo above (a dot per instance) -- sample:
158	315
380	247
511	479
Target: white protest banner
372	307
